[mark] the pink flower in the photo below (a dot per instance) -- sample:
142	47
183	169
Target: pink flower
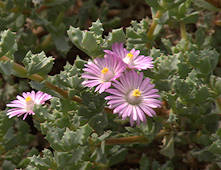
132	58
24	104
102	71
134	97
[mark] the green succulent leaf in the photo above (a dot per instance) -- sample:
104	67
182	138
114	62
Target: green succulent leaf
38	63
6	67
117	35
8	44
88	41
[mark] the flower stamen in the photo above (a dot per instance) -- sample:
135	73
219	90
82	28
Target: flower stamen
104	70
28	99
134	97
136	93
129	55
129	59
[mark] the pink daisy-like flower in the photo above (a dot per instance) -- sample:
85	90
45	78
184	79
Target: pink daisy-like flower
24	104
132	58
102	71
133	97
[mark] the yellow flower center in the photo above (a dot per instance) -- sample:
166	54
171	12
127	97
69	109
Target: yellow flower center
106	74
104	70
28	99
136	93
129	55
134	97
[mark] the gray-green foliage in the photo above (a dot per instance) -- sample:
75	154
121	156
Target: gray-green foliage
16	142
91	42
77	133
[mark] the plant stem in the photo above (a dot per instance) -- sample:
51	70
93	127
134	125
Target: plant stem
59	18
125	140
133	139
152	27
183	31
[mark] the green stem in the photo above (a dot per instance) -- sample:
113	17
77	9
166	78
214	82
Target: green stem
59	18
133	139
183	31
126	140
152	27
